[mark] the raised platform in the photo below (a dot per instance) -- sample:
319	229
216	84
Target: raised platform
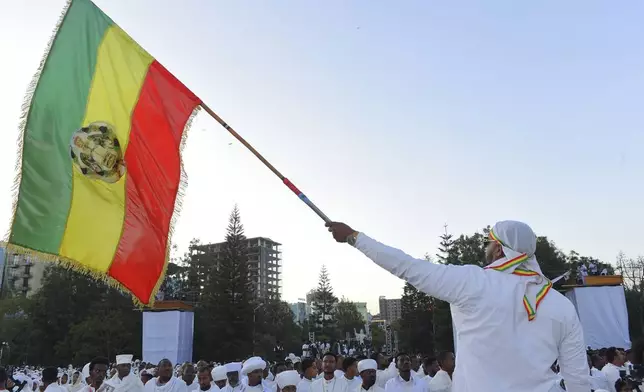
594	281
160	306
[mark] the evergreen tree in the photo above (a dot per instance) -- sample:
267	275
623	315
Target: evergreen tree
447	252
441	315
274	322
227	307
322	314
416	321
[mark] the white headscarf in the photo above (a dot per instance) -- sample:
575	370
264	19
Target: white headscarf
519	244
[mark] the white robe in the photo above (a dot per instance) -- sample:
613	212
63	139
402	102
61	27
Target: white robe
174	385
441	382
129	383
105	387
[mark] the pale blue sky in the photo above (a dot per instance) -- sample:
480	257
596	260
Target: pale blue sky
395	117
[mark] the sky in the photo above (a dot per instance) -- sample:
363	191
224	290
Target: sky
394	117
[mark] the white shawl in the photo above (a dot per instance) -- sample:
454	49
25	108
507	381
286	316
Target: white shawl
174	385
129	383
519	244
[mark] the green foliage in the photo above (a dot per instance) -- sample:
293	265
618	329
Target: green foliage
274	320
416	322
68	319
322	314
224	315
347	319
378	338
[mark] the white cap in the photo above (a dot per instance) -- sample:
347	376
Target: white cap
252	364
233	367
296	360
219	373
288	378
367	364
124	359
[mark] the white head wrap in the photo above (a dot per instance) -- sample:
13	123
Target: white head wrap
519	244
367	364
252	364
219	373
288	378
85	372
124	359
233	367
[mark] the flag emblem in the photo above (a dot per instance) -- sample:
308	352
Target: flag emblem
96	152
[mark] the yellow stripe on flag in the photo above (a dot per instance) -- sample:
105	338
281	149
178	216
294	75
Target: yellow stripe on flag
95	220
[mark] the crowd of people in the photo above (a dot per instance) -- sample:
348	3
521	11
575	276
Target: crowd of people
610	370
328	372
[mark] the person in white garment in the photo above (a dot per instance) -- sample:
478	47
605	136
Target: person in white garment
287	381
367	369
253	369
50	380
219	377
506	309
328	382
350	374
598	379
442	380
386	371
430	368
97	374
615	359
203	379
309	371
76	383
592	267
189	376
124	380
232	374
85	375
146	375
405	381
165	380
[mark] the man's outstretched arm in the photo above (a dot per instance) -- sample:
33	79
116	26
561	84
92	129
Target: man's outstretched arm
453	284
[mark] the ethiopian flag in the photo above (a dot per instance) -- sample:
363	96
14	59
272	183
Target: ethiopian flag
101	168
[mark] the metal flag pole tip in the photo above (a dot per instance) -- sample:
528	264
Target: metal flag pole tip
259	156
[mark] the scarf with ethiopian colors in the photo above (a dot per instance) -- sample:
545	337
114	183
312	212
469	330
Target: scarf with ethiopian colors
519	244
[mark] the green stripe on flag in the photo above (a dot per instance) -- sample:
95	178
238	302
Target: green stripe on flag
57	110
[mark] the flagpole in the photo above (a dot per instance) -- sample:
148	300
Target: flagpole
259	156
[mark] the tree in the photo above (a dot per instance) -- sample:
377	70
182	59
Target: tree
225	313
274	322
447	252
377	337
347	318
41	329
632	271
322	312
416	321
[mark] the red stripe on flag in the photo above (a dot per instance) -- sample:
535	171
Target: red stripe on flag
153	175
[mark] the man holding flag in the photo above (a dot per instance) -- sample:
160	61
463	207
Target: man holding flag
506	310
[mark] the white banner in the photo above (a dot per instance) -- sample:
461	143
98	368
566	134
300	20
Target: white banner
168	335
603	315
